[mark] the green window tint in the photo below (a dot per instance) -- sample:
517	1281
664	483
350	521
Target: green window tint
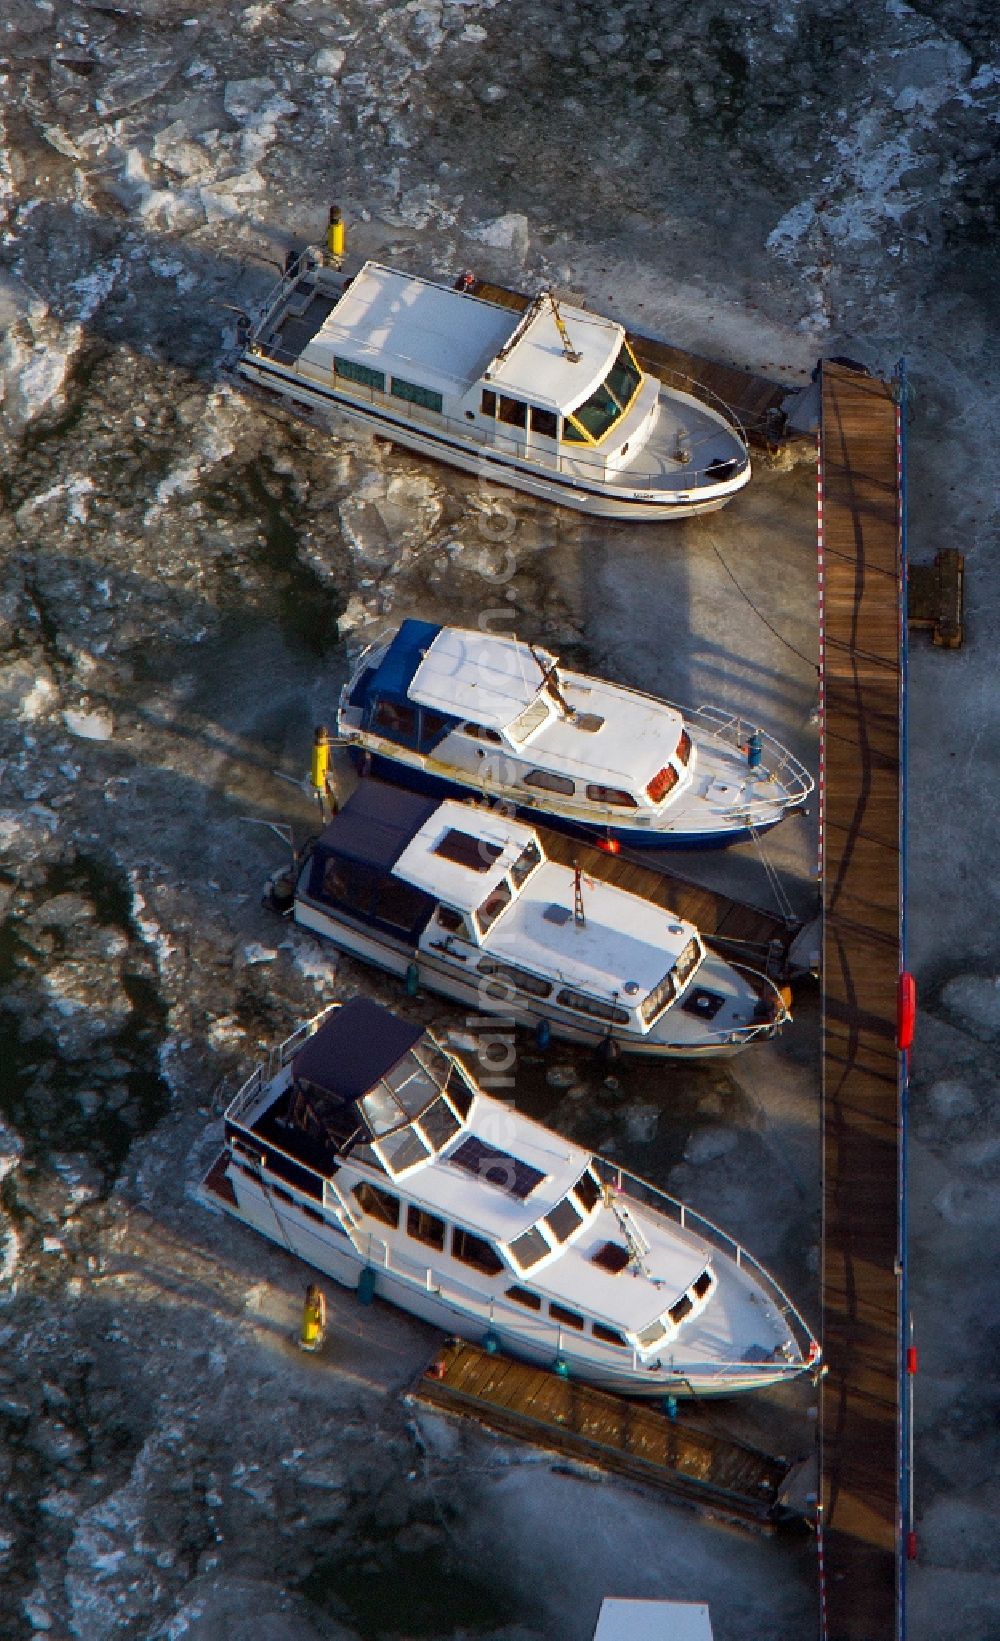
416	395
571	433
624	378
360	373
599	413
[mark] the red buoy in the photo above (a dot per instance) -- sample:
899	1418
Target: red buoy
911	1358
911	1546
611	846
906	1011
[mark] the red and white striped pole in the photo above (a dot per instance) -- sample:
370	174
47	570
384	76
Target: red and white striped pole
821	580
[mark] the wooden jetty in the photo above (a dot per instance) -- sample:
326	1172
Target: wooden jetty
614	1433
862	626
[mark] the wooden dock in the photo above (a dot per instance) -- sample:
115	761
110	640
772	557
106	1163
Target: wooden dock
861	615
756	401
614	1433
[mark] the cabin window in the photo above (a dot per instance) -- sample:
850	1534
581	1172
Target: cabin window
439	1123
465	849
452	922
495	903
612	795
683	1307
513	412
624	378
488	403
461	1097
658	999
400	904
433	725
403	1149
526	722
663	782
683	752
368	1154
652	1334
424	1227
395	719
528	1248
416	395
593	1006
569	1319
608	1336
479	732
701	1287
563	1220
599	413
686	964
587	1191
473	1250
531	984
360	373
530	857
550	783
544	421
377	1204
573	434
524	1296
349	883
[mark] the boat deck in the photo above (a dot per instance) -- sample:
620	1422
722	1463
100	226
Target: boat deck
734	928
613	1432
862	883
756	401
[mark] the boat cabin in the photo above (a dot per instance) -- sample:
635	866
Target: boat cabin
536	384
497	710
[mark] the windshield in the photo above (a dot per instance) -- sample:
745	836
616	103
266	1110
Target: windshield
525	864
687	963
528	721
605	407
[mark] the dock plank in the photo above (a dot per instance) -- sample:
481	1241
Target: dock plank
862	885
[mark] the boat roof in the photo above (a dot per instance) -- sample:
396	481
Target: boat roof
537	366
358	1043
375	824
460	853
401	324
624	946
478	676
653	1621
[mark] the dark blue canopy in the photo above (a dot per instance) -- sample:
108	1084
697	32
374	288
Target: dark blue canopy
376	824
353	1048
393	676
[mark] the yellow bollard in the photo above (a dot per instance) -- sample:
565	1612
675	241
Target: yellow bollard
313	1329
335	235
320	767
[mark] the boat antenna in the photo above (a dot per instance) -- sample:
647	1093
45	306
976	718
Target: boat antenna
550	680
568	349
579	915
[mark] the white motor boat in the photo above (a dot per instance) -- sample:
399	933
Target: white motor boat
550	400
367	1149
455	712
464	901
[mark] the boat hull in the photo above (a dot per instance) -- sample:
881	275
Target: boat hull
343	1264
604	502
400	772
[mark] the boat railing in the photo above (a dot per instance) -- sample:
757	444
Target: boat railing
705	395
576	465
249	1092
775	760
666	1207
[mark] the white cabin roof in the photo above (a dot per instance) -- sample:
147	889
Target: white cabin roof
653	1621
410	327
624	940
464	887
476	676
537	367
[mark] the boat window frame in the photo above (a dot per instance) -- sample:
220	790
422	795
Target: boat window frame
593	1008
543	433
605	1334
544	781
511	1248
460	1232
565	1202
378	1194
413	393
509	729
484	925
570	416
518	424
415	1215
370	378
612	797
462	930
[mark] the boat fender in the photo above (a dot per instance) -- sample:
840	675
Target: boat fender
437	1369
561	1367
543	1034
366	1285
319	768
610	845
755	750
906	1012
609	1050
412	979
670	1406
335	235
491	1343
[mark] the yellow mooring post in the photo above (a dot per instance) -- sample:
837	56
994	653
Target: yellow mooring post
319	769
313	1329
335	236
